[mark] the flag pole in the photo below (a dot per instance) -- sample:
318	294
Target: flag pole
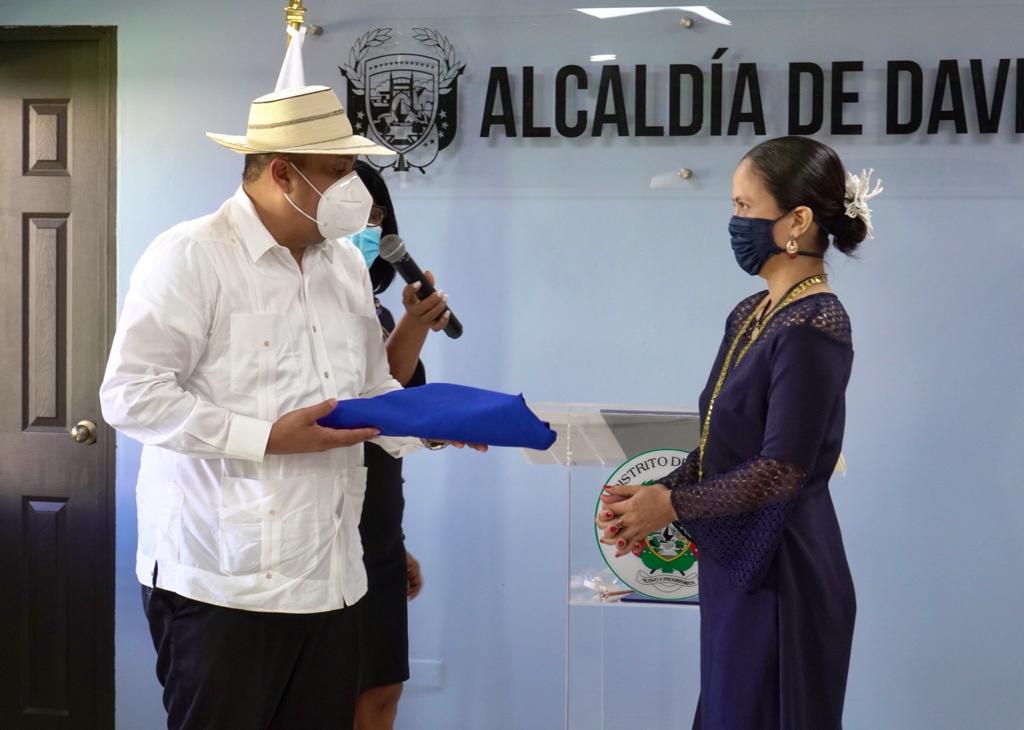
294	16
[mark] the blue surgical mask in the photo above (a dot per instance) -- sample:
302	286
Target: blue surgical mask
752	241
368	241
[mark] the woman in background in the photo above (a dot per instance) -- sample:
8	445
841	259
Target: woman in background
393	574
777	599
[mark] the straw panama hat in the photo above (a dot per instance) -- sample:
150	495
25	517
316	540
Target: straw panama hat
307	120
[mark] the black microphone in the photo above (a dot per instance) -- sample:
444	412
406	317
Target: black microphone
392	250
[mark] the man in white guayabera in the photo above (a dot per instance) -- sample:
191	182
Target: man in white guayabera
239	330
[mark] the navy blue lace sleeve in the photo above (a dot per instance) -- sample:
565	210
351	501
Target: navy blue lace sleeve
737	517
686	474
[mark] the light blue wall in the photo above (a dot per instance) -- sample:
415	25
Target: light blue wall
576	282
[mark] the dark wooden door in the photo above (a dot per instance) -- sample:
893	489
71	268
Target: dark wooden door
57	163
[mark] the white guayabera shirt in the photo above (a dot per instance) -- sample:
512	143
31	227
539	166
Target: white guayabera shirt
221	334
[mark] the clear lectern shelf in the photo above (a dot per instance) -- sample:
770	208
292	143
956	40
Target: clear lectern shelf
604	444
607	435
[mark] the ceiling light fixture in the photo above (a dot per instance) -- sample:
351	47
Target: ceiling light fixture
702	11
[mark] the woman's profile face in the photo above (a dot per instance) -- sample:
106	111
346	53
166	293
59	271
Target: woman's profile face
750	197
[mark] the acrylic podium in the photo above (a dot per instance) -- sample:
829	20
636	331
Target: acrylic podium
632	626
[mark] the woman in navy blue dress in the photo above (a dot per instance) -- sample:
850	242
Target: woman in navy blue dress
777	599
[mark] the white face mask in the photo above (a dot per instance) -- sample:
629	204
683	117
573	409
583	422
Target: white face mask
343	209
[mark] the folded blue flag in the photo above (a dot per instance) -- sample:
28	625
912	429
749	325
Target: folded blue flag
445	412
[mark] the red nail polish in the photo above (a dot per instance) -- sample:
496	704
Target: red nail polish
613	529
620	542
609	514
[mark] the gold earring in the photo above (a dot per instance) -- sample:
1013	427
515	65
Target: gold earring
791	248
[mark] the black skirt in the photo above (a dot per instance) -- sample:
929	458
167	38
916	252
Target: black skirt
383	618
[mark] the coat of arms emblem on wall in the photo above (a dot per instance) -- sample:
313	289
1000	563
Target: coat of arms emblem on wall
407	102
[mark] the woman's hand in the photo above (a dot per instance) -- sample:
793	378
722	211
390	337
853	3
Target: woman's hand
630	513
406	342
413	576
431	313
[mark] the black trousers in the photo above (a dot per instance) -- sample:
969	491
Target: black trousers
226	669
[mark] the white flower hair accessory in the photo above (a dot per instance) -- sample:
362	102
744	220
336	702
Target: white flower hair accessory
858	193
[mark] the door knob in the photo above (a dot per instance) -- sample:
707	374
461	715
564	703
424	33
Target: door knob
84	432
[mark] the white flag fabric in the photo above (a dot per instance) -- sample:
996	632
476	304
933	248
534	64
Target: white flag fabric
292	75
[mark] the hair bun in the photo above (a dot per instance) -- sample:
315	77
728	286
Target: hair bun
847	233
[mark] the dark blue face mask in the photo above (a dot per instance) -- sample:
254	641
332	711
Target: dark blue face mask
753	242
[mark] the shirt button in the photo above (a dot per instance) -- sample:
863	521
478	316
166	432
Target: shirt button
269	576
273	512
266	343
314	328
326	374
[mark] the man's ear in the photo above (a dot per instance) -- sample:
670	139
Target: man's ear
282	174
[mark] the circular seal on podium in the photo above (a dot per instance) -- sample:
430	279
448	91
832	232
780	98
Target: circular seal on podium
666	569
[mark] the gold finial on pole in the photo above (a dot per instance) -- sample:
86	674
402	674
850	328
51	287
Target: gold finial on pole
294	15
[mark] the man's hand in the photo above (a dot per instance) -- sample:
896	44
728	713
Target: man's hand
482	448
298	432
430	313
413	576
